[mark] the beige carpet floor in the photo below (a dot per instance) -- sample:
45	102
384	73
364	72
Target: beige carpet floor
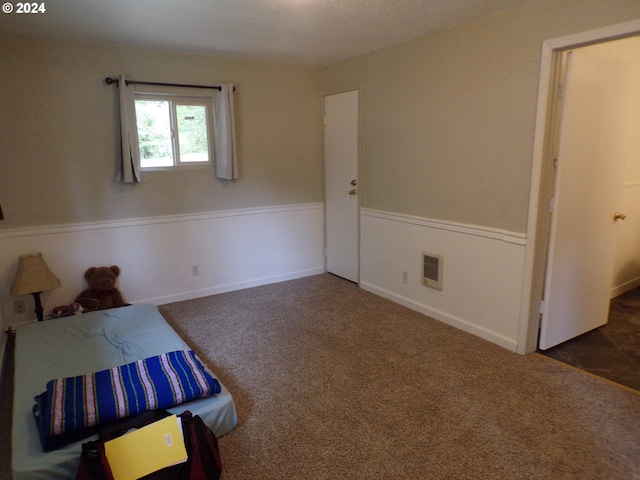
332	382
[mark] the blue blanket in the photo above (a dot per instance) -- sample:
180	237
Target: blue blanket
72	407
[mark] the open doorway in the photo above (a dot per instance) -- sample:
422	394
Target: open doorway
595	158
609	107
543	182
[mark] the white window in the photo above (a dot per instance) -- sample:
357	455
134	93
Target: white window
173	131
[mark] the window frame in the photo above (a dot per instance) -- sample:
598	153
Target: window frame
175	100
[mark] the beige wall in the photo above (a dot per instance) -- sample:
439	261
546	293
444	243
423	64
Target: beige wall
60	143
448	119
447	124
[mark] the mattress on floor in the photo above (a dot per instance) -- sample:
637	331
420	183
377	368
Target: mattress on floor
82	344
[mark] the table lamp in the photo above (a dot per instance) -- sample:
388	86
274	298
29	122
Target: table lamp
34	277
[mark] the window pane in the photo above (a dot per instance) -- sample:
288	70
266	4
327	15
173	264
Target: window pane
154	133
192	133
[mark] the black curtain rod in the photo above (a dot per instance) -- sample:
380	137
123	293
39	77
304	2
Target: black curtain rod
110	81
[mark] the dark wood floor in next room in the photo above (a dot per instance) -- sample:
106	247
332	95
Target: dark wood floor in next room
611	351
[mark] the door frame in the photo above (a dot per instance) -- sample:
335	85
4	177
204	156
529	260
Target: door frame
336	91
538	224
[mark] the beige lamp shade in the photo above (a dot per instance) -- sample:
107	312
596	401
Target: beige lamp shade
33	276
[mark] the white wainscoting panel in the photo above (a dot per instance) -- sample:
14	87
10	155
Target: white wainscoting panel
482	271
232	249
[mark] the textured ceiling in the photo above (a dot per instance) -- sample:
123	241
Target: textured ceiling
311	32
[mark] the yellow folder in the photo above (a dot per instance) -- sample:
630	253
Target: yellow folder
147	449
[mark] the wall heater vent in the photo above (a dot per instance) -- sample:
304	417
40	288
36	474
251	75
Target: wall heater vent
432	270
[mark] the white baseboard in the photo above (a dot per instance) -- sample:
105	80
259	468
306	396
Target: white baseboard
443	317
215	290
625	287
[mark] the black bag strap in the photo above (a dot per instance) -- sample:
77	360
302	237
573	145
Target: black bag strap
204	462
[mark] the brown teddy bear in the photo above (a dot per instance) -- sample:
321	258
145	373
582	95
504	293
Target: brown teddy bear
102	292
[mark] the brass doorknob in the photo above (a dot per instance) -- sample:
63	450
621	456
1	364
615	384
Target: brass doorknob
619	216
352	191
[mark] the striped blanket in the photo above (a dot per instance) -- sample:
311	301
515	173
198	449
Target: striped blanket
77	403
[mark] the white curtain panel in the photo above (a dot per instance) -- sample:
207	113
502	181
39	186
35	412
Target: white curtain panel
130	160
225	133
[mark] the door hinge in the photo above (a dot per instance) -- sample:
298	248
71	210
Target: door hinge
551	205
541	307
561	90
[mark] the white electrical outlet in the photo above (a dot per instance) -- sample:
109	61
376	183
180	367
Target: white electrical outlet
18	307
195	270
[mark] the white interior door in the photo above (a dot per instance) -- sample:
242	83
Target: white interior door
588	187
341	184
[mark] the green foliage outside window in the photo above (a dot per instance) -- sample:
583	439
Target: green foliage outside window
192	128
154	131
154	121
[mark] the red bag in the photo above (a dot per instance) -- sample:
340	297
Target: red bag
203	461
